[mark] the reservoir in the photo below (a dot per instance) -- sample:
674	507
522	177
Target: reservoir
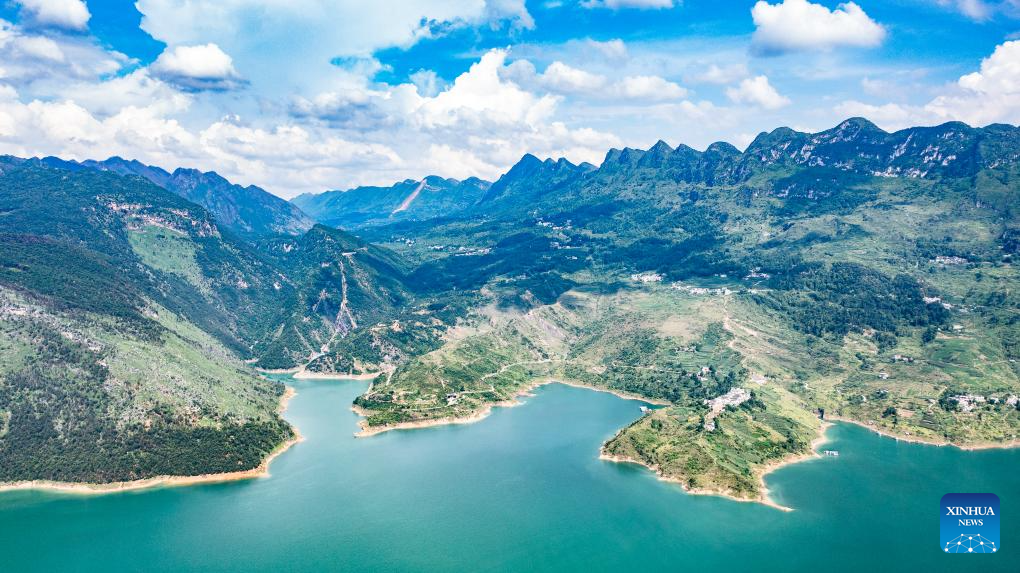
522	490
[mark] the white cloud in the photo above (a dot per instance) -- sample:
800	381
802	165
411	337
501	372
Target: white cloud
612	49
261	35
288	159
479	125
39	47
990	95
639	4
982	10
798	25
651	88
890	116
69	14
560	77
875	87
197	67
136	89
27	57
973	9
480	96
427	82
716	74
68	129
361	134
358	106
265	154
757	91
513	11
454	162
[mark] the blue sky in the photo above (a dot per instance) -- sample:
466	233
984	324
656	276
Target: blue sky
305	95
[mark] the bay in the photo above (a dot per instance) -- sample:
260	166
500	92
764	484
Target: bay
522	490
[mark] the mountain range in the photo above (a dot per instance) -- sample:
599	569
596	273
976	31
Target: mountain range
408	200
852	272
248	211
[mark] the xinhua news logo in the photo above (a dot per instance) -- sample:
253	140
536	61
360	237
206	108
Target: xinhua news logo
969	523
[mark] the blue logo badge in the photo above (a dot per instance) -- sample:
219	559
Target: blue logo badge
969	523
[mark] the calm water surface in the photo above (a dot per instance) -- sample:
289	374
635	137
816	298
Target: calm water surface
523	490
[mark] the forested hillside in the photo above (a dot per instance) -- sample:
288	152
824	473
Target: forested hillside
126	311
851	273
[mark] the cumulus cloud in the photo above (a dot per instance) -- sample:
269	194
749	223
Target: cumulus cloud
68	14
716	74
27	57
989	95
288	159
39	47
640	4
136	89
260	34
512	11
561	78
759	92
611	49
481	96
797	25
427	82
199	67
480	124
652	88
68	129
358	107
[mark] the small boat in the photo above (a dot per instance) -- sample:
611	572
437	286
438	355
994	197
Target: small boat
833	453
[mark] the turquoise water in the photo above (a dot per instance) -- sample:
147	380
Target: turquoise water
522	490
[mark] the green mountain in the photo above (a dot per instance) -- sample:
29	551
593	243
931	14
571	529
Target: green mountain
863	274
531	179
126	314
850	273
405	201
248	211
343	283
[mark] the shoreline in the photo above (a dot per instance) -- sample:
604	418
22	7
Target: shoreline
262	470
763	496
299	373
479	415
306	375
925	441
